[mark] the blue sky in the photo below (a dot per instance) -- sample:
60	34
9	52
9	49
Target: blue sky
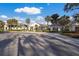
35	11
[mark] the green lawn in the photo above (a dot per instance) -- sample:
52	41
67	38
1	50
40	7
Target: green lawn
1	30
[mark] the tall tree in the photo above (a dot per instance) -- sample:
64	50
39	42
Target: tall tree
28	21
1	25
64	20
12	23
54	18
48	19
71	6
76	16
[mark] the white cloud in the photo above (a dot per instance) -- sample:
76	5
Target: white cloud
40	19
3	16
29	10
32	22
20	19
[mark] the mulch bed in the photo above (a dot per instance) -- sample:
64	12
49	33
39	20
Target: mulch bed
75	34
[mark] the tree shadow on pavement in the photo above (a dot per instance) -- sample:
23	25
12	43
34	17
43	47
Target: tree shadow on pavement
33	47
25	50
3	44
61	48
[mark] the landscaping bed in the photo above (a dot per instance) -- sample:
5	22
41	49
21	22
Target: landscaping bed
74	34
1	30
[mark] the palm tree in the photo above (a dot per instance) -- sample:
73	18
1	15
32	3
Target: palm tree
63	21
54	18
28	22
71	6
12	23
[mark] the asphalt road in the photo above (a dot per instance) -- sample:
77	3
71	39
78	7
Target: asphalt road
37	44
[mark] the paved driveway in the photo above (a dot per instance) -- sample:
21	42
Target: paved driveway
38	44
